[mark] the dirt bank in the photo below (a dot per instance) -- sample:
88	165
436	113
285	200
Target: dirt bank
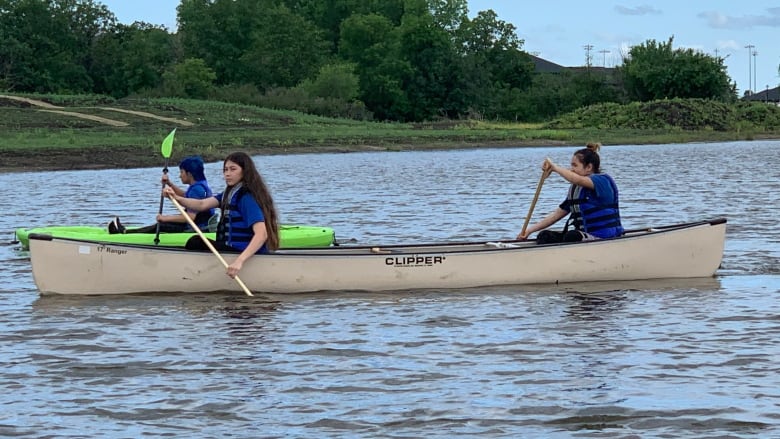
115	157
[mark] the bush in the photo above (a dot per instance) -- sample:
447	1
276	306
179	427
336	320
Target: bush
685	114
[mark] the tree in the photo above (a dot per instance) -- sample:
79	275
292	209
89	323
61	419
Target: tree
284	50
45	44
336	81
220	32
329	15
449	14
492	63
654	70
428	50
131	58
373	44
189	79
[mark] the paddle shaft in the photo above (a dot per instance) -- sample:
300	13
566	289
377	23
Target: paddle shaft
208	244
162	199
533	203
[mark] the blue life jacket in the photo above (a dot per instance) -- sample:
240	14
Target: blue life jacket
233	229
201	218
591	215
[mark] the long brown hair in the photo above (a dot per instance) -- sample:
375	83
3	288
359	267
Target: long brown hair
254	183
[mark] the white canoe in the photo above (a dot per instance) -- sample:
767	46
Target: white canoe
67	266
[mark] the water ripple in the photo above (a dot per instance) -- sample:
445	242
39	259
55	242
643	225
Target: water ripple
665	358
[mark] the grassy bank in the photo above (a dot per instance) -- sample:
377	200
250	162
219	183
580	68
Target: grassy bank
86	132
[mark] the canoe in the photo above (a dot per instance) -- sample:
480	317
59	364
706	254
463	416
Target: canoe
290	236
68	266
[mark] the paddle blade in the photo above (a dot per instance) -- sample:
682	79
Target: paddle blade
167	144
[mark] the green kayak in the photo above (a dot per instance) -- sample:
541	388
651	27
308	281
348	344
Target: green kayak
290	236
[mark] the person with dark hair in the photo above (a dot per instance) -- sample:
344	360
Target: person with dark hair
248	223
191	172
591	203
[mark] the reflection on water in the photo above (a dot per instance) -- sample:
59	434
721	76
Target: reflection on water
661	358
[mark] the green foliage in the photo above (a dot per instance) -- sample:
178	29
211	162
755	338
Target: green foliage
298	99
555	93
284	49
656	71
190	79
492	70
336	81
247	94
392	60
764	116
46	140
131	59
673	114
44	45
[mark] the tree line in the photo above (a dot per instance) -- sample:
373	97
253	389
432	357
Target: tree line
395	60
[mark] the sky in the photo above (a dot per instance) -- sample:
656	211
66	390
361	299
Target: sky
561	31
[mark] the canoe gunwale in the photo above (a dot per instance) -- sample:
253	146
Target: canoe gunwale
421	248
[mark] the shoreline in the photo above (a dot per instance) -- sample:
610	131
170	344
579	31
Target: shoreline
54	133
124	157
104	158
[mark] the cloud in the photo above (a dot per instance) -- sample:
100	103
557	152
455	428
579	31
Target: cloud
719	21
639	10
694	47
729	44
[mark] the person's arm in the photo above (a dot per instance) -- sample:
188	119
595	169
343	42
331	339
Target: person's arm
546	222
175	218
192	203
257	241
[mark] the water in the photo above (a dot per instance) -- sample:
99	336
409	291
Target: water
684	358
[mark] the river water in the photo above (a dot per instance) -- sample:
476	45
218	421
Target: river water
685	358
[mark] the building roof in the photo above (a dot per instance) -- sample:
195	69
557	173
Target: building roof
544	66
766	95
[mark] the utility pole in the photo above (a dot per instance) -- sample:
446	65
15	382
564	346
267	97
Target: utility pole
750	47
755	83
604	52
588	48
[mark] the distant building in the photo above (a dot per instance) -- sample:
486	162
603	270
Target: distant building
770	95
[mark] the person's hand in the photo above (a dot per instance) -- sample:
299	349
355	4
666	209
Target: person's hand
233	269
168	191
165	180
522	236
160	218
548	166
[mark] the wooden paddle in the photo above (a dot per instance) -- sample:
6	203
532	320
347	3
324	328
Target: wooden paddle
545	174
208	243
165	149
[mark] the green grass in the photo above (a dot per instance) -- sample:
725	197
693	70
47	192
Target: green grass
219	128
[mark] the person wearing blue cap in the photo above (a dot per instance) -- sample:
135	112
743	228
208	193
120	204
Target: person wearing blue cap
191	173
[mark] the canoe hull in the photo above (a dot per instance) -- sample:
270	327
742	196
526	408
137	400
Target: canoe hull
65	266
290	236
